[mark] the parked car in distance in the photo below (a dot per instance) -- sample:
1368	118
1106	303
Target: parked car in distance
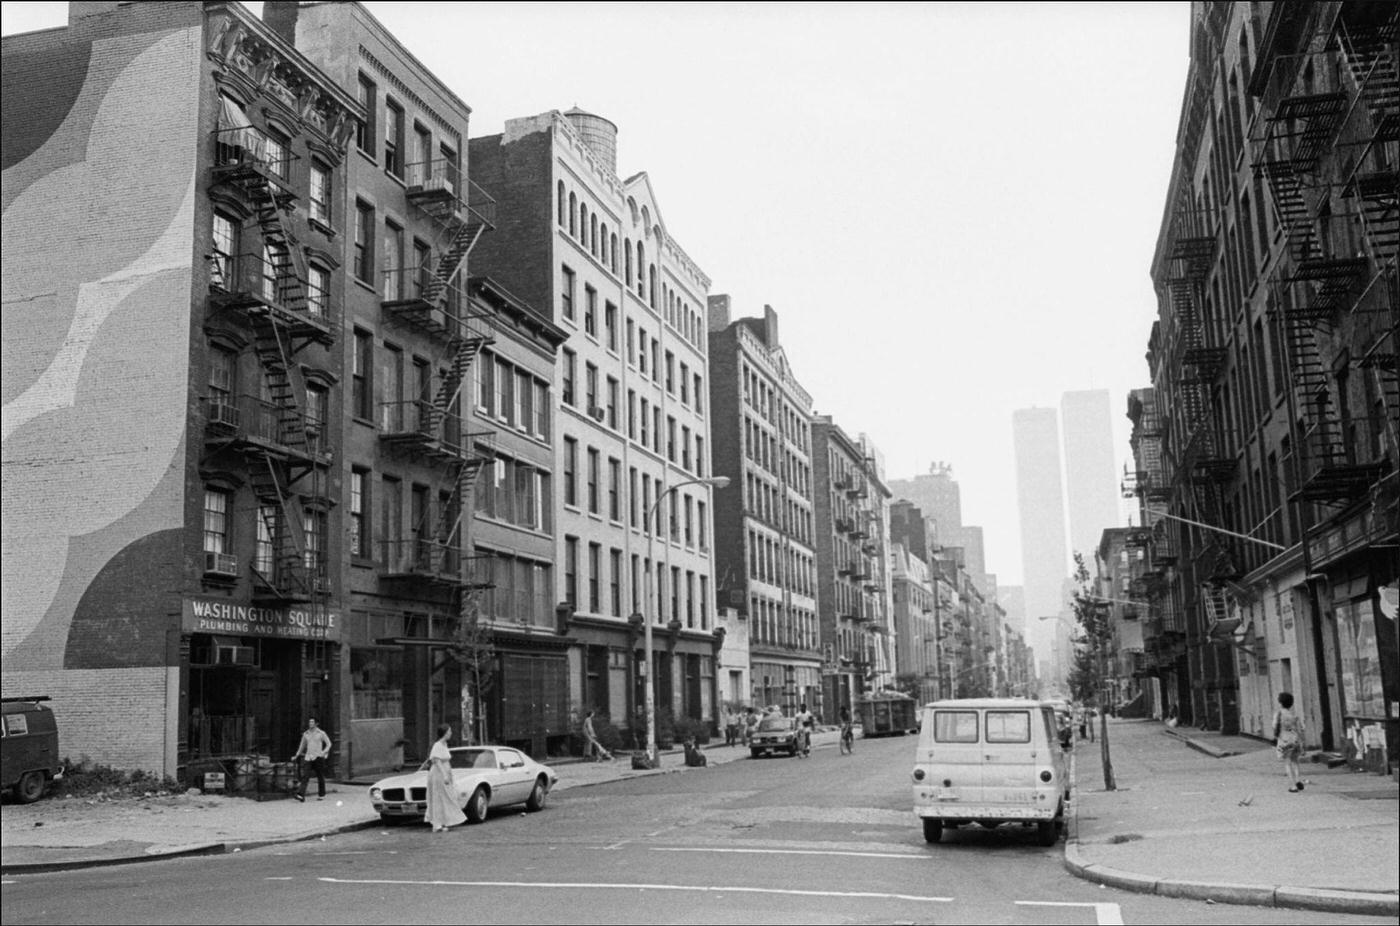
28	748
485	776
775	733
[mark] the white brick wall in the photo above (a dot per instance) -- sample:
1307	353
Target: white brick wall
124	718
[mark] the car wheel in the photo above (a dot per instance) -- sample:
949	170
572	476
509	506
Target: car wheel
989	824
478	805
1047	832
756	753
933	830
792	750
30	787
537	796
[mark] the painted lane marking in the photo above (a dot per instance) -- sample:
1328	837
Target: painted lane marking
624	886
1105	914
905	855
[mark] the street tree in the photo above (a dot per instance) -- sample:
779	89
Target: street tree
473	650
1095	638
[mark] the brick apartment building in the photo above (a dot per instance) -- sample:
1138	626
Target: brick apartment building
764	560
172	353
1267	448
851	538
633	523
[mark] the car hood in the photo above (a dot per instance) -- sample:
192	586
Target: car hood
408	780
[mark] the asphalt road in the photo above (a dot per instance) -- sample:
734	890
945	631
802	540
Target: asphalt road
829	839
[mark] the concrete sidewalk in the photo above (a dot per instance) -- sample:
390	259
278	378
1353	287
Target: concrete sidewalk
1206	816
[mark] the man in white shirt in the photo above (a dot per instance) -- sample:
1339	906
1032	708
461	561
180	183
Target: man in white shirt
315	747
805	725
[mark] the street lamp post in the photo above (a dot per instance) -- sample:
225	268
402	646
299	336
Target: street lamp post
717	482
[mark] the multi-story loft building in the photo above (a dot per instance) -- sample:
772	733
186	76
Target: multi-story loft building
173	445
911	618
1119	561
1091	490
765	562
1166	677
632	519
851	534
413	449
1274	366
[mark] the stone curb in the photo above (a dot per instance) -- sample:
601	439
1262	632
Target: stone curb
1297	898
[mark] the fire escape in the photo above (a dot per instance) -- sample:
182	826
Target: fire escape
276	430
1330	149
430	427
1163	634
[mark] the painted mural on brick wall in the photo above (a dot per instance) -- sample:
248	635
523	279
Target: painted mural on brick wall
95	338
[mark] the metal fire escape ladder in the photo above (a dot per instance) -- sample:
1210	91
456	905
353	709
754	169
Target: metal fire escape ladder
290	576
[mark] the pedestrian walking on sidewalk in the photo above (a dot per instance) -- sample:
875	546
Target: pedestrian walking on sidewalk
592	747
1288	739
444	804
311	758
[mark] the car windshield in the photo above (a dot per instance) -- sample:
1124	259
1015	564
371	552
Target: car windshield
774	722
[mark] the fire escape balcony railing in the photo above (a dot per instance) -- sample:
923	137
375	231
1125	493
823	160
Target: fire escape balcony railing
1334	470
406	294
302	578
257	284
1207	456
251	420
421	426
247	152
419	558
438	187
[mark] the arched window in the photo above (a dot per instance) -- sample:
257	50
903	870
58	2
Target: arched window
651	283
583	224
593	235
603	243
612	253
563	206
627	260
641	276
573	214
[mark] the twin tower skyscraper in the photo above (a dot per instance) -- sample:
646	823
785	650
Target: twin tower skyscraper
1066	493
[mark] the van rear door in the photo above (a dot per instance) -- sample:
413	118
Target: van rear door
954	754
1012	756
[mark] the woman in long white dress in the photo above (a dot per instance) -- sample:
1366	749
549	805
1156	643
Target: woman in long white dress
443	807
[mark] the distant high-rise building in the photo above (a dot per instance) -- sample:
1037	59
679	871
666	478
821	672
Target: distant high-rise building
1091	482
937	495
1040	500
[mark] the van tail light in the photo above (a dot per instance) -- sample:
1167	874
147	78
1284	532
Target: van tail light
1046	775
918	774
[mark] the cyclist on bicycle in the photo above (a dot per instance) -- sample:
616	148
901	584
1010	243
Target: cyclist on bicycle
805	724
847	733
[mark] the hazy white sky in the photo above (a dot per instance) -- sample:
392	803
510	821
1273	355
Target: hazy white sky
952	207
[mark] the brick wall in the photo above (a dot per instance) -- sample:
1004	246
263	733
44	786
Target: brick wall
518	253
125	728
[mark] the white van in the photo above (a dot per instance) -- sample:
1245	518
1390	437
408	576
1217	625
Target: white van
990	761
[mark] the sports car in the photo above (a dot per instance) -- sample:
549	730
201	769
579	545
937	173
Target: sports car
484	775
